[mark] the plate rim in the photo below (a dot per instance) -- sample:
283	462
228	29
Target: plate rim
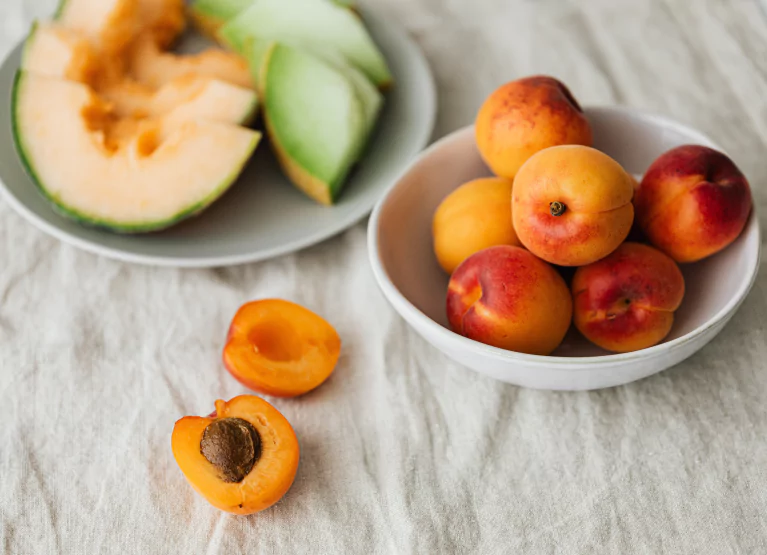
343	224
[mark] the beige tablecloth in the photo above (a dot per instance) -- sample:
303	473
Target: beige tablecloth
403	451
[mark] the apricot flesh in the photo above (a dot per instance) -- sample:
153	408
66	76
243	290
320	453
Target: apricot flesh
525	116
626	301
280	348
272	472
571	205
693	202
506	297
475	216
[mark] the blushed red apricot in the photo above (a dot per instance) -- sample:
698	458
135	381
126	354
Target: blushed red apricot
693	202
280	348
525	116
506	297
626	301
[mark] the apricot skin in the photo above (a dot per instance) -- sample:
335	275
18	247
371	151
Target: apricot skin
475	216
280	349
626	301
506	297
596	193
693	202
525	116
271	476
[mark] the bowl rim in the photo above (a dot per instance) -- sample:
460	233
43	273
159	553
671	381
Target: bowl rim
417	318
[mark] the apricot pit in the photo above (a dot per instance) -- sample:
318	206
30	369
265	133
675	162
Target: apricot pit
233	446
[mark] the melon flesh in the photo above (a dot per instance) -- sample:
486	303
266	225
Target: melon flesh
314	118
140	175
110	24
150	65
55	51
312	24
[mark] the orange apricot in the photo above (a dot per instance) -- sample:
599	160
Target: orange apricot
475	216
280	348
571	205
242	459
525	116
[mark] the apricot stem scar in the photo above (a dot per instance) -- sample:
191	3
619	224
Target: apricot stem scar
557	208
233	446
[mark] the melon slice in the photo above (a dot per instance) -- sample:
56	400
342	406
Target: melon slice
314	118
210	15
153	67
110	24
185	98
125	175
56	51
370	97
313	24
163	20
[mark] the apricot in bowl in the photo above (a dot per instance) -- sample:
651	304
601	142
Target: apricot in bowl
402	257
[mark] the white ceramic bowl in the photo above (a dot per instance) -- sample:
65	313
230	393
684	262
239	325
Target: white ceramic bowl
405	267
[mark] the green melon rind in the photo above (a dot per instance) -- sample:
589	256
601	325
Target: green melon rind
60	9
222	10
94	221
29	42
334	187
364	54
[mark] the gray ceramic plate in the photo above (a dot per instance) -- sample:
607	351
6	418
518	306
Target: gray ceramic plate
263	215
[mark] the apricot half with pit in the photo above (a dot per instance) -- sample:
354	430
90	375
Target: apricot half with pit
571	205
280	348
243	458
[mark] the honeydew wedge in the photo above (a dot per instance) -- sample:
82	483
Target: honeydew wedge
121	174
313	24
314	118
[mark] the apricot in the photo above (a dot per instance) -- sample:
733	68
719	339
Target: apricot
525	116
692	202
571	205
242	459
475	216
280	348
506	297
626	301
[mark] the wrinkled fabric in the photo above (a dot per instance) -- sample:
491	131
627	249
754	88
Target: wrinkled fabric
403	451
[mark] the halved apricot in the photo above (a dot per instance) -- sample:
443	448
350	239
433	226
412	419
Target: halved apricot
242	459
280	348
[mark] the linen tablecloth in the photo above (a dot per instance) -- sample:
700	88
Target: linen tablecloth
403	451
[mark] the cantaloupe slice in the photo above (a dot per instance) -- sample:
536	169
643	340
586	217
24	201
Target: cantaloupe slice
312	24
125	175
56	51
150	65
314	118
109	24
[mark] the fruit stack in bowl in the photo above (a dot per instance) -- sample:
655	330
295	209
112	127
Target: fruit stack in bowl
560	211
